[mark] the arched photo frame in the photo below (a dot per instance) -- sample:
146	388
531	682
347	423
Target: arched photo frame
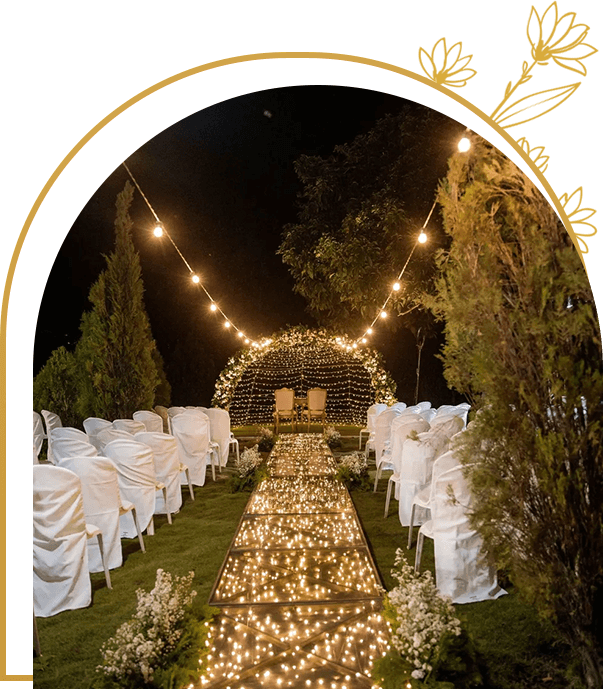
112	140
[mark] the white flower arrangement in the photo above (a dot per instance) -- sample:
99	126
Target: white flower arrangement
355	462
422	617
248	461
332	436
141	643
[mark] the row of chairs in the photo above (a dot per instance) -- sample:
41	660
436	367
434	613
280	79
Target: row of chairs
122	479
417	444
313	407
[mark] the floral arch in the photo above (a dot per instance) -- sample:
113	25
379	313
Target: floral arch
302	358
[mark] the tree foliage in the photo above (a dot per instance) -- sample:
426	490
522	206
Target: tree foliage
360	212
522	338
116	348
56	387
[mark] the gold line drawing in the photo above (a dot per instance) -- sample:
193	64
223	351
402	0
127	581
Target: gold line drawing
536	154
578	217
446	67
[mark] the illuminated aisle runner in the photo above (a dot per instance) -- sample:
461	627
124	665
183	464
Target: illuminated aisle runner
298	590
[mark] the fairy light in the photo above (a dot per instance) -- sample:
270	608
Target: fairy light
227	324
383	314
240	334
396	286
196	279
299	594
213	307
464	144
158	231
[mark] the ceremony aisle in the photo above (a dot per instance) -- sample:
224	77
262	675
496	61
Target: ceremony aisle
298	591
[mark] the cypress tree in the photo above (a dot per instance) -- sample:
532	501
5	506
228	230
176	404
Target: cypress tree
117	346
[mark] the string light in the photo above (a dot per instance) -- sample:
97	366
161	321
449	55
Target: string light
383	314
396	286
160	231
464	144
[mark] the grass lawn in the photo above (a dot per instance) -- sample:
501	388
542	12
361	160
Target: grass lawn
517	650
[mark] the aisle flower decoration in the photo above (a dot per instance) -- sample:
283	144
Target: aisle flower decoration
428	646
250	469
267	439
161	646
332	437
352	471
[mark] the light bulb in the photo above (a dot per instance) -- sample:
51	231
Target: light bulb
364	340
246	340
464	144
383	314
227	324
158	231
369	331
240	334
195	279
213	307
396	286
422	238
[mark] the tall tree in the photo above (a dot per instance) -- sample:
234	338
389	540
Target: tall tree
116	347
522	338
360	213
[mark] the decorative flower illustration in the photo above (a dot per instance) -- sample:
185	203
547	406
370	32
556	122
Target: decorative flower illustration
578	217
446	67
536	154
559	38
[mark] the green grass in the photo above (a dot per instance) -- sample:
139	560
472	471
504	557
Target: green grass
517	650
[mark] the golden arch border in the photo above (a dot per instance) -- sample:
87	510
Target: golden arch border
536	172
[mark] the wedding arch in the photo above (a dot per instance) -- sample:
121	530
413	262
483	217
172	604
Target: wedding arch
302	358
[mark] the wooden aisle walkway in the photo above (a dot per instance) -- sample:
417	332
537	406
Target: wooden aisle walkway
299	592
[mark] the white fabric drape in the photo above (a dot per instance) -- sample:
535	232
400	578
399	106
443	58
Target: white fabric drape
219	427
109	434
153	423
70	442
137	481
383	430
93	425
166	460
129	425
61	580
102	504
191	430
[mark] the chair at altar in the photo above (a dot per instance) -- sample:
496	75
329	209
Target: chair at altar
167	469
152	422
462	573
129	425
38	435
51	421
219	426
192	432
70	442
316	406
371	415
61	580
402	426
138	483
103	507
284	407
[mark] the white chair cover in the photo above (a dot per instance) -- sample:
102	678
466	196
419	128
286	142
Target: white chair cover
137	481
61	580
417	460
167	469
51	421
102	505
129	425
428	414
461	572
401	427
163	412
450	424
401	406
219	428
93	425
108	435
191	430
423	406
174	411
382	431
153	423
38	433
70	442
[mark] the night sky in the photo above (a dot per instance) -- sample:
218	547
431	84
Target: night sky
223	183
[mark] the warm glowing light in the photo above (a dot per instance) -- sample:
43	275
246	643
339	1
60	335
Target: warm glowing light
464	145
364	340
240	334
246	340
213	307
354	345
227	324
158	231
383	314
369	331
396	287
422	238
195	279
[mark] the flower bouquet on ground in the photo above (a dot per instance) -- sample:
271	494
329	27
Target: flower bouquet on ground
250	469
266	440
332	437
352	471
429	648
163	645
